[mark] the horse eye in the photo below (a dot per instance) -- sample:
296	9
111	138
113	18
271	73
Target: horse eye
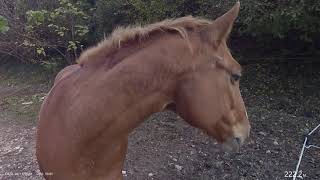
235	77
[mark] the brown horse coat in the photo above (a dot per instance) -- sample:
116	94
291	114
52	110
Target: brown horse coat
86	118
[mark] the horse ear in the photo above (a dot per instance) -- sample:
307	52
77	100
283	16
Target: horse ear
220	29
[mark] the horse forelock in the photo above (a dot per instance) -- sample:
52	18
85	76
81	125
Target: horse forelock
122	35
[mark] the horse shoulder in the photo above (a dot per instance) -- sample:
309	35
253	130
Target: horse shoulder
65	72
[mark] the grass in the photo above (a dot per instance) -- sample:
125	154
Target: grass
13	72
22	88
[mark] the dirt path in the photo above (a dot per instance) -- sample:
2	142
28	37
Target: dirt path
165	147
17	132
17	151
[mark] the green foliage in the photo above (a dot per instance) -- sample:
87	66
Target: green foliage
112	13
36	17
66	24
151	11
298	19
3	24
53	28
295	19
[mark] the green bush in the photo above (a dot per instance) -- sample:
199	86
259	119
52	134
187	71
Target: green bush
300	17
112	13
3	24
258	18
289	22
48	30
62	29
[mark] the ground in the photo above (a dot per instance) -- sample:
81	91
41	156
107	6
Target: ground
282	105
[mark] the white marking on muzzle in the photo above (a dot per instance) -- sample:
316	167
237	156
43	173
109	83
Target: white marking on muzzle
246	114
240	131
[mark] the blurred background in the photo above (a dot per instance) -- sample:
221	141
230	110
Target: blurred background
52	32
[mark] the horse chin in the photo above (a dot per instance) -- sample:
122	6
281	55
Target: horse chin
232	145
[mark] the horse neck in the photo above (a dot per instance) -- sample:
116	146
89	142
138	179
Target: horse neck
143	84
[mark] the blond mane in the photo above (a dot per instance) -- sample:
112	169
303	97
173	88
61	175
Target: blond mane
123	35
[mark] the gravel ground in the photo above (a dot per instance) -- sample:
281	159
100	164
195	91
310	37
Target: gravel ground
282	106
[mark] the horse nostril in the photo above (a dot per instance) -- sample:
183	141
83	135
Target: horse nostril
238	140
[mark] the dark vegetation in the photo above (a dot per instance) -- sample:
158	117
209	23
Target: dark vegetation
277	42
54	32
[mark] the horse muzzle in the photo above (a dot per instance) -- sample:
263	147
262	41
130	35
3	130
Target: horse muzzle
241	132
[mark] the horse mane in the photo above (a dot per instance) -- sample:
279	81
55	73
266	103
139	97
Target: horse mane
122	35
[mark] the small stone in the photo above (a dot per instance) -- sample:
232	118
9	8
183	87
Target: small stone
20	150
261	162
275	143
179	168
262	133
193	146
174	159
124	173
27	103
268	152
150	174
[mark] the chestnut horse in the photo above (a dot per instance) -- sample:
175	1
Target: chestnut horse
87	116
